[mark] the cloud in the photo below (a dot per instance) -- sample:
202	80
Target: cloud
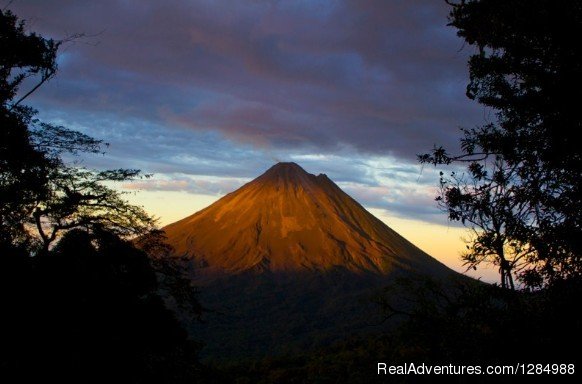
382	77
188	90
182	183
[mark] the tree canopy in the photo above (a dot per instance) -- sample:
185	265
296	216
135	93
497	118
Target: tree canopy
520	192
80	302
41	196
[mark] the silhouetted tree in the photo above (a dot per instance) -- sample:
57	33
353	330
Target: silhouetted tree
521	192
87	307
23	169
79	198
38	190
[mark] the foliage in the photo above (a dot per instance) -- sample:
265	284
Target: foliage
78	198
461	322
474	323
38	190
87	306
87	311
23	55
521	192
175	283
23	169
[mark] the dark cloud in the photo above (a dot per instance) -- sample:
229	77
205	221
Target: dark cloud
381	76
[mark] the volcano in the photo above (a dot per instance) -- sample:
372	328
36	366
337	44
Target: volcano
290	262
288	220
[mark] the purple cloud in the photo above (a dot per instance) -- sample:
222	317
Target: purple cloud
382	77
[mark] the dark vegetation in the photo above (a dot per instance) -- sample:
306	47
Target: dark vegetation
89	311
82	303
521	192
463	323
79	301
252	315
421	320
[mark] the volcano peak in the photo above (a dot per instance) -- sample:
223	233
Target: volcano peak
285	166
288	174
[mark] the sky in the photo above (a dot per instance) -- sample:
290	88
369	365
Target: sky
207	95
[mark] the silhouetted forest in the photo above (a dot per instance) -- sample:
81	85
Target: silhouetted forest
89	311
88	292
463	323
80	303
